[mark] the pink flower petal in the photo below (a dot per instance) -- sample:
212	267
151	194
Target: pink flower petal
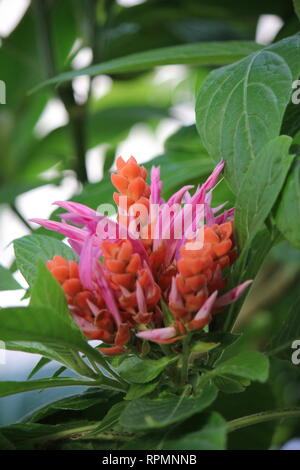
87	263
206	308
155	186
65	229
107	293
232	295
157	334
177	197
140	296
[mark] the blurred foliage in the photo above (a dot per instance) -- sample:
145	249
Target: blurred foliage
44	43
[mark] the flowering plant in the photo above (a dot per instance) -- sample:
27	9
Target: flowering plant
121	300
165	302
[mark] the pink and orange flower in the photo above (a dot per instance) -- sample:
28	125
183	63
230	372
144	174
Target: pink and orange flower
115	292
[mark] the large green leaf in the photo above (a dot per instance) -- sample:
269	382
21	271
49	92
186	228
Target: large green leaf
139	390
42	329
297	7
31	248
260	187
73	404
288	211
151	414
240	107
195	54
110	419
258	397
7	281
47	291
281	345
212	436
206	433
250	365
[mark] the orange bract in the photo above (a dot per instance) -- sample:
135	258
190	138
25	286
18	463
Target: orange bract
67	274
200	268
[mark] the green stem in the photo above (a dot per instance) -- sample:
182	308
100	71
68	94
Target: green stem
76	112
263	417
20	216
185	360
78	432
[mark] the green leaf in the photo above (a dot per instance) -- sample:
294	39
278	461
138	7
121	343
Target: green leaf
256	398
223	339
212	436
287	214
194	54
240	107
47	291
228	384
296	4
41	363
139	390
30	248
249	365
11	388
203	347
7	281
260	188
143	371
30	435
281	345
47	332
78	402
5	444
151	414
109	420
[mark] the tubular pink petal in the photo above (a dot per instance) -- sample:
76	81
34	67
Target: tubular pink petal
212	179
158	334
94	309
232	295
155	186
107	293
226	215
209	215
75	245
65	229
175	297
177	197
206	308
86	263
140	296
76	208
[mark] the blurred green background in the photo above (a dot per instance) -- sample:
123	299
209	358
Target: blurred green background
61	142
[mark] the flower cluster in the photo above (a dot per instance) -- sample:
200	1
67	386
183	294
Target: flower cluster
123	283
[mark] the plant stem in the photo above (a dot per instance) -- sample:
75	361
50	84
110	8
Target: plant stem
76	112
185	360
20	216
78	431
263	417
